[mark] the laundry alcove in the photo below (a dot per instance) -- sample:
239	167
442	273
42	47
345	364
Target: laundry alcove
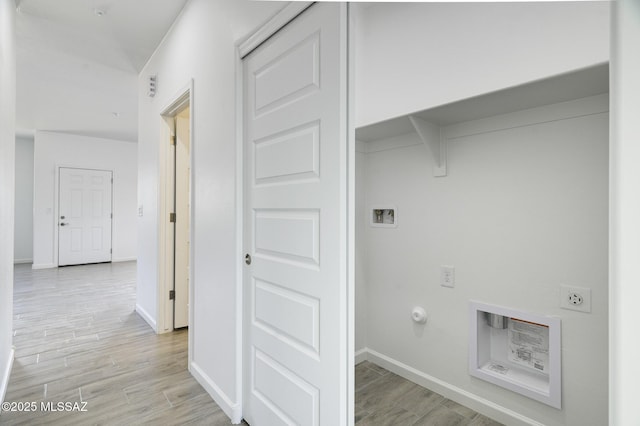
510	190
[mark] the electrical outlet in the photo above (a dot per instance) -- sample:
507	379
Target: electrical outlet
447	276
575	298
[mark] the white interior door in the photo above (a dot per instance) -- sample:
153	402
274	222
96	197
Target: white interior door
295	287
84	225
182	209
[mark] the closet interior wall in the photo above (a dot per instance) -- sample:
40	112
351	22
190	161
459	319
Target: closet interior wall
523	208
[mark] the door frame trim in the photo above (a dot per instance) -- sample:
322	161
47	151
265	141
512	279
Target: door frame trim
351	212
56	206
269	28
164	320
243	48
238	408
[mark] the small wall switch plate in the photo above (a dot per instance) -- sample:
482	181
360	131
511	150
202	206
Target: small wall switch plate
447	276
575	298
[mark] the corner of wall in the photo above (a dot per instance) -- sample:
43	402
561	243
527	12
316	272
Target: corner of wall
624	316
7	168
231	409
147	317
4	381
43	265
124	259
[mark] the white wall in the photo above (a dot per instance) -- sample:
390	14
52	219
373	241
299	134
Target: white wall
521	211
7	153
52	150
23	238
415	56
200	46
625	213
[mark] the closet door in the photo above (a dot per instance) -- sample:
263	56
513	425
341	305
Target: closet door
295	277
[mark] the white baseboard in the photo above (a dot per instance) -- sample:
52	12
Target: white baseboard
6	374
123	259
361	355
19	261
231	409
461	396
51	265
148	318
43	266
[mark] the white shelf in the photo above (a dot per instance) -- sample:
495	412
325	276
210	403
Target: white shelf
431	135
573	85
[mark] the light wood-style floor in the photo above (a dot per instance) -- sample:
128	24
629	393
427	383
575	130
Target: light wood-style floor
384	398
79	339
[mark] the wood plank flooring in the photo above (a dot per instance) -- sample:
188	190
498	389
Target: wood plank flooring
78	339
384	398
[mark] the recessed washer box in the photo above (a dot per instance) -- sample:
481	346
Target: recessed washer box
383	216
516	350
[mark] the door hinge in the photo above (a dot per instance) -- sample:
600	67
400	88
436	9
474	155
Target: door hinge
173	139
172	294
111	180
111	250
172	217
111	215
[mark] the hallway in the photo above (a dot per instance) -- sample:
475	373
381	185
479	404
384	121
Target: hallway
78	339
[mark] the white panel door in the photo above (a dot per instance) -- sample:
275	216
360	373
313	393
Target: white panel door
84	222
295	285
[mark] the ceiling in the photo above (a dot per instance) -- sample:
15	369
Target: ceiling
78	63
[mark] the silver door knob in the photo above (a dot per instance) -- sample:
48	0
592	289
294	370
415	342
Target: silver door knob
61	217
63	224
247	259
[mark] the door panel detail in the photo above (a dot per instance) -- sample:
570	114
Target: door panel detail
295	73
292	155
76	204
288	234
290	397
76	239
96	238
289	315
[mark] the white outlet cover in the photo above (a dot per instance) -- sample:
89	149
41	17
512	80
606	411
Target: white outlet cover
566	293
447	276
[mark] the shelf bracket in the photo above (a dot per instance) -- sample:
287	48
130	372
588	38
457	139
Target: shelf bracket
431	135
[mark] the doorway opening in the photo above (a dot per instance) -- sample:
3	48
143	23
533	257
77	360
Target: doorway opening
175	221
